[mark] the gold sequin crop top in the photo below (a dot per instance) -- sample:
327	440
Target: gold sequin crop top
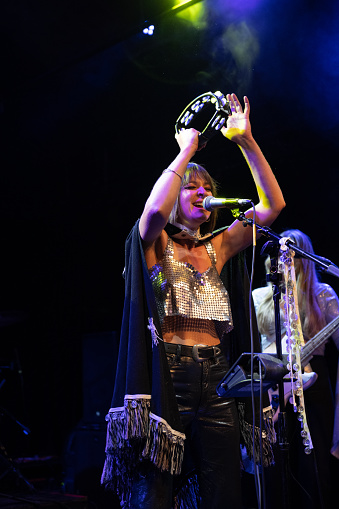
181	290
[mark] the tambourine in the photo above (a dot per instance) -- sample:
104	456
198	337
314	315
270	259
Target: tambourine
220	107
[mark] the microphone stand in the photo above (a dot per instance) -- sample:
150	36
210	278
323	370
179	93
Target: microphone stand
275	277
325	264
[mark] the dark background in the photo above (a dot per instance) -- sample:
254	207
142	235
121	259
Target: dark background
87	109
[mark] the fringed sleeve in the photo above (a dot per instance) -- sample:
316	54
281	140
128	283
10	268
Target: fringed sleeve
262	444
238	341
144	421
134	433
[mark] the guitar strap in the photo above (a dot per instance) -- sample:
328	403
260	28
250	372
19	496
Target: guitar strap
295	339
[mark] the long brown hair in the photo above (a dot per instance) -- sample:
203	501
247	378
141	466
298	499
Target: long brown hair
307	280
193	171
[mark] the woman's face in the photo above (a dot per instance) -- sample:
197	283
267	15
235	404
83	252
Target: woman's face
191	212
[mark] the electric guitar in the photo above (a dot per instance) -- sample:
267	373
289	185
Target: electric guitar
305	356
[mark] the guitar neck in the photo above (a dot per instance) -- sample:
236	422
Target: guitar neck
314	343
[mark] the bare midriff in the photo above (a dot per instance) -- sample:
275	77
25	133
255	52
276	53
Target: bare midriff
191	337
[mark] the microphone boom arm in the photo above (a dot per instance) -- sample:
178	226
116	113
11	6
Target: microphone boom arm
323	263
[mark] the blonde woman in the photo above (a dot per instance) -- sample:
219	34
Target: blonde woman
318	305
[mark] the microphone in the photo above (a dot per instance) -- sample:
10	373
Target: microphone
211	203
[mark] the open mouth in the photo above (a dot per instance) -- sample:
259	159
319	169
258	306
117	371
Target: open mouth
198	204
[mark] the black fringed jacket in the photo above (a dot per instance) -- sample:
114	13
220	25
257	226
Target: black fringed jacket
144	420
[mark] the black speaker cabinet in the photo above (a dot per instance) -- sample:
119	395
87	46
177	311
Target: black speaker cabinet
84	451
83	462
99	359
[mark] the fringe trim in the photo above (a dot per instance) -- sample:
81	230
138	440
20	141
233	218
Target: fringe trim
134	433
115	477
164	446
136	416
268	436
188	497
128	422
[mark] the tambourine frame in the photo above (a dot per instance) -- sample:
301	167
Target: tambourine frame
195	107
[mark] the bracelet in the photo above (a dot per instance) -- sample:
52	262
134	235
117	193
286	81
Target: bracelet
173	171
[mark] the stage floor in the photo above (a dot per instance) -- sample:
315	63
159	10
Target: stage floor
44	500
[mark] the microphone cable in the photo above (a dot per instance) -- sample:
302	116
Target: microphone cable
259	483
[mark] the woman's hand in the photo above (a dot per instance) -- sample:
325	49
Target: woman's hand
238	127
188	139
271	200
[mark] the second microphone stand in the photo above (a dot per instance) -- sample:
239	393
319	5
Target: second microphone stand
274	277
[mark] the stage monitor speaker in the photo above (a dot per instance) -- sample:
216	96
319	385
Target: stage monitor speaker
83	462
238	380
99	361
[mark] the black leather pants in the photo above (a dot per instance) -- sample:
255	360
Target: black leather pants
212	440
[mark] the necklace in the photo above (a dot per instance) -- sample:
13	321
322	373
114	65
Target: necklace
179	231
